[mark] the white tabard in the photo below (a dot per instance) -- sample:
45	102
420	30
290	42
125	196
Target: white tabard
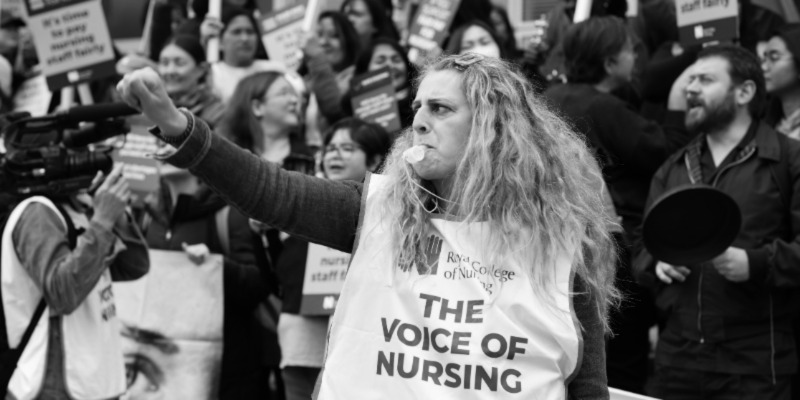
466	330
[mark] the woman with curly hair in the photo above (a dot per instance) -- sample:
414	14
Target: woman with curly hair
482	262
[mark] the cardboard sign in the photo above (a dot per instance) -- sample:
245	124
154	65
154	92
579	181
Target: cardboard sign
72	40
33	96
373	99
702	21
140	168
283	29
171	327
325	273
13	7
429	27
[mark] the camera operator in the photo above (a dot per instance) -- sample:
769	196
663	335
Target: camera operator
75	350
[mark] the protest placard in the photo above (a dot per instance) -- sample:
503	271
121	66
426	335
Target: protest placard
429	27
33	96
171	324
72	40
282	28
702	21
373	99
13	7
140	168
325	273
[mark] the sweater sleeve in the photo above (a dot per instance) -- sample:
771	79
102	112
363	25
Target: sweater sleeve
65	276
591	382
314	209
639	143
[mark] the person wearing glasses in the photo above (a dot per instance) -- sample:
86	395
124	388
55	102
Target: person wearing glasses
263	117
352	148
780	64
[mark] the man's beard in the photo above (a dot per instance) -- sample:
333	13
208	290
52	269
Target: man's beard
714	118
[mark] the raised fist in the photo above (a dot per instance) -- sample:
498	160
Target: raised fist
144	90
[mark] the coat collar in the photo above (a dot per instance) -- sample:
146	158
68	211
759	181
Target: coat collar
765	142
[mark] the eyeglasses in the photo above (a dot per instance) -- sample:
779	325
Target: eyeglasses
344	149
772	56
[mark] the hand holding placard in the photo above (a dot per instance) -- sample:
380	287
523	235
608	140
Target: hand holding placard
701	21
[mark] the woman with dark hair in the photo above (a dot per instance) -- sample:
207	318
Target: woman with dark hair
352	149
781	65
474	36
329	57
183	67
370	19
384	52
504	31
263	116
170	18
238	43
599	58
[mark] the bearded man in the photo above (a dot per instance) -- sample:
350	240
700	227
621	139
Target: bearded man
728	330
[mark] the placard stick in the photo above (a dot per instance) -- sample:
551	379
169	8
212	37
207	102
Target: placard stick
85	94
144	44
583	10
67	98
212	47
311	15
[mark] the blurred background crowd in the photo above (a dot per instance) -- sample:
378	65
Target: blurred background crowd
618	78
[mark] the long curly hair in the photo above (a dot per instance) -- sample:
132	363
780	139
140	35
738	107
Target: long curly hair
525	172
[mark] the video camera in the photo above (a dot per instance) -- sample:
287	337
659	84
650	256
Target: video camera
56	154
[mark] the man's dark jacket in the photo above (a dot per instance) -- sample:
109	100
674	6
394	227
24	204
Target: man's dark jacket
713	324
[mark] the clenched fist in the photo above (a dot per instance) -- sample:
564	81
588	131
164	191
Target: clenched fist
144	90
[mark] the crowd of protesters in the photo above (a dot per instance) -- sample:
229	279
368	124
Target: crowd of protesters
656	115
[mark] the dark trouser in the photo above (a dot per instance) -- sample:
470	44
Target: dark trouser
685	384
249	386
299	382
796	376
627	351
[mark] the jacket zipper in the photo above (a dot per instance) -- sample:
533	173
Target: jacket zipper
700	306
700	282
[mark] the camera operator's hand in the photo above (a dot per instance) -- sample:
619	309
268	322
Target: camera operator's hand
111	198
144	90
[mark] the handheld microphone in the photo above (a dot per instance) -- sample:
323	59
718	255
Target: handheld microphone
96	112
95	132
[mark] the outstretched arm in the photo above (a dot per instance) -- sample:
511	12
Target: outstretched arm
317	210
